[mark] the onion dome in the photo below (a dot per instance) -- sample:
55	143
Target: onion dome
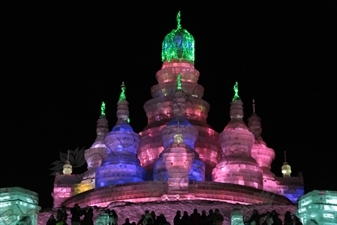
122	164
178	44
67	167
286	168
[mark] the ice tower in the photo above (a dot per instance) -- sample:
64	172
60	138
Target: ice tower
122	165
179	137
263	155
178	59
95	155
236	165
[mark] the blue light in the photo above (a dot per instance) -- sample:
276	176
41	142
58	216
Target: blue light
123	127
182	122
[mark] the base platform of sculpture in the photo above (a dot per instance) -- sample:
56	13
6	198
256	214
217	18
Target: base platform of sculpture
152	191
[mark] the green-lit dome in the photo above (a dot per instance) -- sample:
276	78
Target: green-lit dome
178	44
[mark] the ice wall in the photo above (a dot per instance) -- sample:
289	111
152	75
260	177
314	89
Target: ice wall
318	207
18	206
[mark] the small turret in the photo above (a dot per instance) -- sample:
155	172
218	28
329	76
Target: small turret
286	168
236	165
67	168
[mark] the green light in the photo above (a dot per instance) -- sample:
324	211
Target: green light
179	86
103	109
128	120
122	96
178	44
236	91
178	20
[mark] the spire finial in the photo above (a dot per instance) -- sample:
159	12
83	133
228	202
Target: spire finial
103	109
179	86
122	96
253	105
178	21
285	156
68	156
236	91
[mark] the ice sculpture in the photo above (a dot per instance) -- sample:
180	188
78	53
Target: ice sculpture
236	165
236	218
95	155
179	136
18	206
318	207
122	165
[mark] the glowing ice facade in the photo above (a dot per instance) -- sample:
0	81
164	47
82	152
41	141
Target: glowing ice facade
318	207
18	206
122	165
177	131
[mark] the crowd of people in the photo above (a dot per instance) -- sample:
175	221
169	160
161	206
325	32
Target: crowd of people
84	216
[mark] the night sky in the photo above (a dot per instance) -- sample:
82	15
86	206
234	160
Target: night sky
60	60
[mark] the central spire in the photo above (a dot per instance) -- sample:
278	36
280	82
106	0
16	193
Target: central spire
178	44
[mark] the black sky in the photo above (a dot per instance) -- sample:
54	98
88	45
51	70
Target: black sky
59	60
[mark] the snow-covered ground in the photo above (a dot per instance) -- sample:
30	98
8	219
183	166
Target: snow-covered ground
133	211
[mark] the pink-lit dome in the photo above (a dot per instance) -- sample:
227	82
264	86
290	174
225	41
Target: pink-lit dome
236	165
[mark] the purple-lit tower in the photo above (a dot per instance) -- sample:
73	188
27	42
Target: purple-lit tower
236	165
178	59
122	165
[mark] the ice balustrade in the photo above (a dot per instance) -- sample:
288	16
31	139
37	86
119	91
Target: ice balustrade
18	206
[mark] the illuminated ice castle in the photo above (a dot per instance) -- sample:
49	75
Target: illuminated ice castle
178	155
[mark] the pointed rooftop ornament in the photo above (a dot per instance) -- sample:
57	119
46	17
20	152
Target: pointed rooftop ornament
179	85
178	21
103	109
236	91
254	106
122	96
